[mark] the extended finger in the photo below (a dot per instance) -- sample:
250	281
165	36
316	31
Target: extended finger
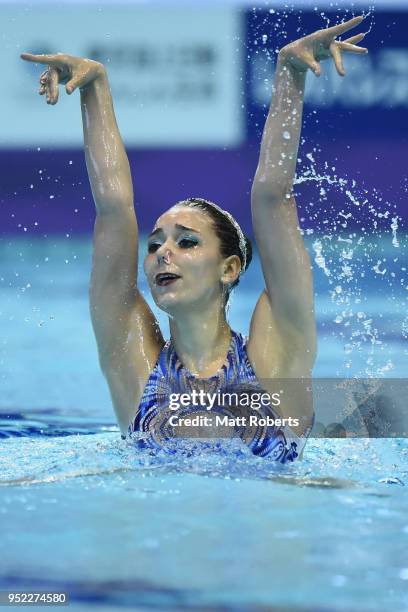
51	59
339	29
344	46
53	86
338	62
354	40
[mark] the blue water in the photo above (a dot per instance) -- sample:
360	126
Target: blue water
83	511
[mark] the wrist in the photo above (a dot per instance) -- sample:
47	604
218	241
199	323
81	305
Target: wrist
100	70
287	71
98	75
286	60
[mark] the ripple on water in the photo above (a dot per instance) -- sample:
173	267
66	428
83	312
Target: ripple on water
330	464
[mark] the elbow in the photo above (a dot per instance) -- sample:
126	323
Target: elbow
270	192
118	203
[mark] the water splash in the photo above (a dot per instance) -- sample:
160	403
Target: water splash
394	228
319	259
328	463
359	253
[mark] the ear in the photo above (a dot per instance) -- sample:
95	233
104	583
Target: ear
231	267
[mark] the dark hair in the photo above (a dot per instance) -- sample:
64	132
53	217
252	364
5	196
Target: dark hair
226	232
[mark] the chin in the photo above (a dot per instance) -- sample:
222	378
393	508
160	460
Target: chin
171	303
167	302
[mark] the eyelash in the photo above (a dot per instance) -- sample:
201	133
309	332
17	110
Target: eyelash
153	246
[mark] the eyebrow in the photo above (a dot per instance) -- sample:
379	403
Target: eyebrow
158	230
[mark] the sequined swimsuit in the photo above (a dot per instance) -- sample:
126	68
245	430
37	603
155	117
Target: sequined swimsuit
169	376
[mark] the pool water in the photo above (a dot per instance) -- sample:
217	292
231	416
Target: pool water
83	511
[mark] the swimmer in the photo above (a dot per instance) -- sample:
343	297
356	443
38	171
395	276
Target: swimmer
195	257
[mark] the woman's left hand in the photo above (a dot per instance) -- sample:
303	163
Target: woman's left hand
307	52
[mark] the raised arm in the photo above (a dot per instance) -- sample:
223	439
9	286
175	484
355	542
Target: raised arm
126	331
283	330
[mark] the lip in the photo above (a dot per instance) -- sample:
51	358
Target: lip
160	275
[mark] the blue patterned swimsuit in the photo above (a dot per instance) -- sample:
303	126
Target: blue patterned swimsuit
169	376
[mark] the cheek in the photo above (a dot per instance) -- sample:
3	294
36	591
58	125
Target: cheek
202	266
147	264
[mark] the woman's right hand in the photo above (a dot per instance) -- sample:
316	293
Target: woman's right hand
73	72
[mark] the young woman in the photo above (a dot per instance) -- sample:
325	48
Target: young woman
196	254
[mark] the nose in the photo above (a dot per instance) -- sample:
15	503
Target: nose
163	254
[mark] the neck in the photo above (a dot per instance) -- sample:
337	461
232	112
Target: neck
201	343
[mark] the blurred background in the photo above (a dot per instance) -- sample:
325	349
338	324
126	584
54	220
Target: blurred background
191	83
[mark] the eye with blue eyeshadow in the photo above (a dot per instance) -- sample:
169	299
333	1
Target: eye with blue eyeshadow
152	247
187	242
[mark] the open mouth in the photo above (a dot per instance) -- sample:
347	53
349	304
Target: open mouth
166	279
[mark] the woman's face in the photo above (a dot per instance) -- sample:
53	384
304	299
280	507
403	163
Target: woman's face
183	264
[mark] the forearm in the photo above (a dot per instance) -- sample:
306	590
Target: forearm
106	159
280	140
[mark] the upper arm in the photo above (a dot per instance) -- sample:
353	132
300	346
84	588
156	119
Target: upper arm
283	329
127	333
282	359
